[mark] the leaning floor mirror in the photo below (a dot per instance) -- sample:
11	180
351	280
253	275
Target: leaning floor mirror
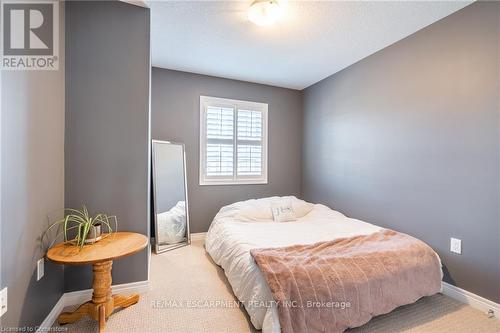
170	202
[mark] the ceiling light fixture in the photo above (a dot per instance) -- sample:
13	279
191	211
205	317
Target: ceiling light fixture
264	12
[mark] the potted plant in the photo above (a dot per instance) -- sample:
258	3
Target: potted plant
86	229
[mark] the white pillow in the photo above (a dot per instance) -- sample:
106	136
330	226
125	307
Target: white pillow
283	211
260	210
301	207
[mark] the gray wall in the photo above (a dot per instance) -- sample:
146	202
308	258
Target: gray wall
408	138
175	116
32	136
107	123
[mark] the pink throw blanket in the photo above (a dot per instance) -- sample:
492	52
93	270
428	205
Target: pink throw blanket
335	285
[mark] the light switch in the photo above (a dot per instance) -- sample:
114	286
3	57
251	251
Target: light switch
456	245
3	301
40	269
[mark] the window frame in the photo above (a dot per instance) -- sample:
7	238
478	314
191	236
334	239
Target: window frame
236	105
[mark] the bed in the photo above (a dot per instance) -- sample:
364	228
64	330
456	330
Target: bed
245	226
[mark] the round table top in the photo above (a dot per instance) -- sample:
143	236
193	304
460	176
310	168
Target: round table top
114	246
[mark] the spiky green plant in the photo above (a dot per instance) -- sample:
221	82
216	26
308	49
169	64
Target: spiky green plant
80	221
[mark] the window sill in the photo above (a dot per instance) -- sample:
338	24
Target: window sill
232	182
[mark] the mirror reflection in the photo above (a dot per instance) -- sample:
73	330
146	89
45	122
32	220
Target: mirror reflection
170	198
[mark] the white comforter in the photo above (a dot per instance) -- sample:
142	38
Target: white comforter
240	227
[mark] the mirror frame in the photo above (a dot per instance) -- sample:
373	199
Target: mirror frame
163	248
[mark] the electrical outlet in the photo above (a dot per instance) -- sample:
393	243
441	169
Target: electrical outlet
456	245
3	301
40	270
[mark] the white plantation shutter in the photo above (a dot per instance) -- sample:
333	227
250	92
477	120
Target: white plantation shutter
233	142
219	160
219	141
249	145
249	160
220	123
249	125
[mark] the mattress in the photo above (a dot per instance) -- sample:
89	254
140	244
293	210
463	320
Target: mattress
246	225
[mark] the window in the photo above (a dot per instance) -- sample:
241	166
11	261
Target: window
233	142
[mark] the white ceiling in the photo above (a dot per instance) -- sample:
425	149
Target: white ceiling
313	40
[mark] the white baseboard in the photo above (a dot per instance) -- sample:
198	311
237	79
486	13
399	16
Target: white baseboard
82	296
198	236
475	301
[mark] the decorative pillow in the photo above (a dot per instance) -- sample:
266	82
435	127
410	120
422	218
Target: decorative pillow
283	212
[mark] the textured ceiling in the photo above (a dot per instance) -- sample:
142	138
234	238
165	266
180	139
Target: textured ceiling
312	41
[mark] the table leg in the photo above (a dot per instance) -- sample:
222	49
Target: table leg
103	303
125	301
101	297
102	319
70	317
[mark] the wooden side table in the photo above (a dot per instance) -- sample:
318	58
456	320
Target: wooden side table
101	255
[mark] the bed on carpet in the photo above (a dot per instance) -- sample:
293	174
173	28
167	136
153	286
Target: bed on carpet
320	271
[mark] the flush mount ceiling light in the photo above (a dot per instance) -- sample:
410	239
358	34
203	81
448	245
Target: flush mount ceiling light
264	12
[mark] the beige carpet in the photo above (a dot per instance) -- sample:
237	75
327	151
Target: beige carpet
183	279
